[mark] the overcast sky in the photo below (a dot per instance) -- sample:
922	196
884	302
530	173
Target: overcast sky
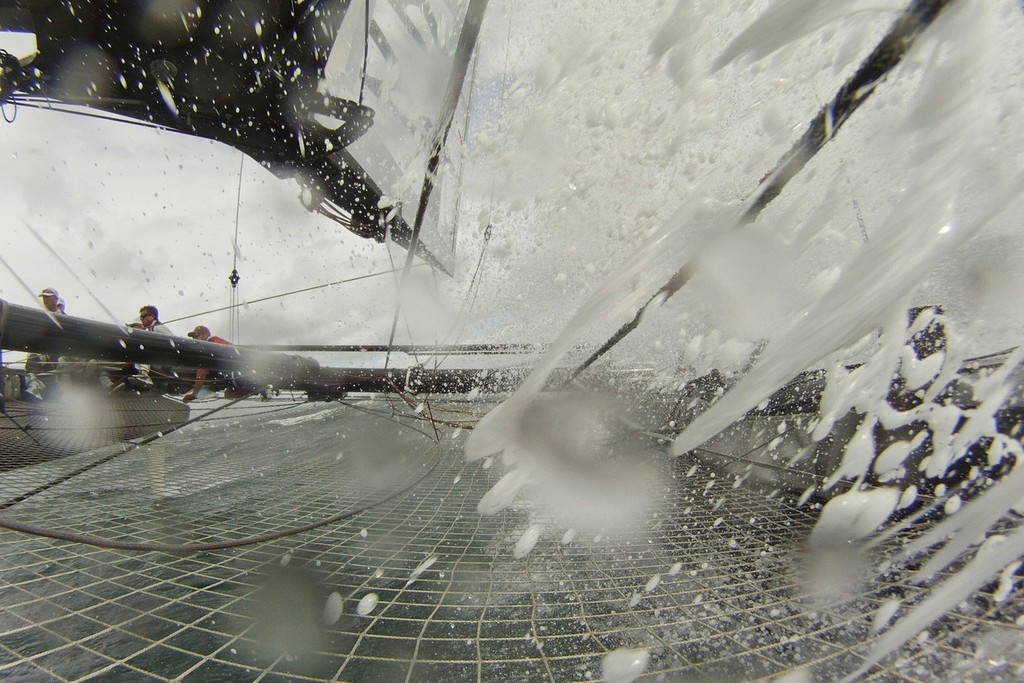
592	130
139	216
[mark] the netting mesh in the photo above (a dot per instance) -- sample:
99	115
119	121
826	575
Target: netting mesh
78	419
409	582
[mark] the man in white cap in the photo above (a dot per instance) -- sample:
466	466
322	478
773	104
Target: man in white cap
36	364
51	300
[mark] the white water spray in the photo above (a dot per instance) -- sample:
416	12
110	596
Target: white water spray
934	120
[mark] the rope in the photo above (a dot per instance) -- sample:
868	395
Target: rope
411	401
10	71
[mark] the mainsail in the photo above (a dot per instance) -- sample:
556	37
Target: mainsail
292	85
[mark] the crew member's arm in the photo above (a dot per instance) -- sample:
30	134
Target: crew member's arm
201	374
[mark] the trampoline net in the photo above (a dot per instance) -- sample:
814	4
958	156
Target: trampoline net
356	552
279	540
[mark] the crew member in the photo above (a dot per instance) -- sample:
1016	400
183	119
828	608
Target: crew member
150	318
40	363
202	333
51	300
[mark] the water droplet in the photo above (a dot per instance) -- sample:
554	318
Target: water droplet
332	609
366	604
624	665
423	566
527	541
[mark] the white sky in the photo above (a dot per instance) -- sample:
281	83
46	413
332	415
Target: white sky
598	137
148	217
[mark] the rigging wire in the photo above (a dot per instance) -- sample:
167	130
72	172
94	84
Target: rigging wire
844	174
81	283
398	279
33	102
96	541
463	54
471	292
24	429
29	290
463	137
888	54
234	277
366	48
474	284
284	294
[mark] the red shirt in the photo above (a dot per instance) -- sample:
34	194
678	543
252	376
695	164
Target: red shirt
218	340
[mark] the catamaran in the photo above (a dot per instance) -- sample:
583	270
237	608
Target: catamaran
835	500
